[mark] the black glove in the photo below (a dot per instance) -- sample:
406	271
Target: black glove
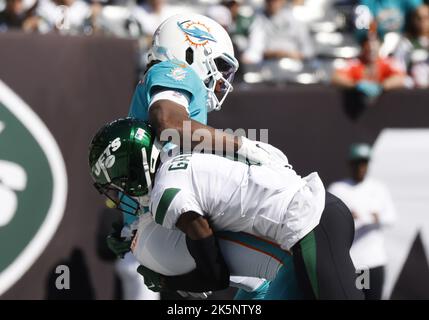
152	279
116	243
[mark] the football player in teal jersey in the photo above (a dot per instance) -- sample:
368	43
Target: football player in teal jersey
191	66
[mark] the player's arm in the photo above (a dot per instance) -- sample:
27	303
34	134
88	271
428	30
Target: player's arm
341	79
211	272
166	114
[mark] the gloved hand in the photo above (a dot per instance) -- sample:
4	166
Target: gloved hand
152	279
369	88
256	152
118	245
196	295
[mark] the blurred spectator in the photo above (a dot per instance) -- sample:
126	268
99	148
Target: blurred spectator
413	48
276	34
389	15
229	15
151	13
240	24
370	74
16	16
221	15
68	16
372	209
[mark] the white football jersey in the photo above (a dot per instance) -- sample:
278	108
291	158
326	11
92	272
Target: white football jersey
234	196
165	251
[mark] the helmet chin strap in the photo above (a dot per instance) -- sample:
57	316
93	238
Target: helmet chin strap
144	200
146	169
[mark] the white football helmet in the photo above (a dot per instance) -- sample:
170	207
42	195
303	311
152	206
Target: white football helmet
204	45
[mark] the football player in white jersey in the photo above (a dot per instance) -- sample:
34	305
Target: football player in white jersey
191	65
200	194
250	258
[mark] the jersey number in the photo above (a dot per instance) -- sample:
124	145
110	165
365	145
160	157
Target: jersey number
179	163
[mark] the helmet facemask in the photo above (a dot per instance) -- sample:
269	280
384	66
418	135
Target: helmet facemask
123	202
128	196
221	72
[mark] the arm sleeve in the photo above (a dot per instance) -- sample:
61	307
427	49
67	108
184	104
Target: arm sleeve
176	96
211	272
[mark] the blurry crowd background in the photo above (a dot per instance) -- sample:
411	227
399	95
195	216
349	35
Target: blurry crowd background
367	45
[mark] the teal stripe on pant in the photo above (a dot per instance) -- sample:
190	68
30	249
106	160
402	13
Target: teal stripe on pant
284	286
252	241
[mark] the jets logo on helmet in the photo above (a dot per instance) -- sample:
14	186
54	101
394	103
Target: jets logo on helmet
196	33
107	159
205	46
123	161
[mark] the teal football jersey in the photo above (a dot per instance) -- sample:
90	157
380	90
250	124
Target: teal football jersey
172	75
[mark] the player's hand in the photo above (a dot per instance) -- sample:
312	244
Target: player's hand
256	152
118	245
152	279
195	295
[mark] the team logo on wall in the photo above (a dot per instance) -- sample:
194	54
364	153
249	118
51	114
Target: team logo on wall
33	187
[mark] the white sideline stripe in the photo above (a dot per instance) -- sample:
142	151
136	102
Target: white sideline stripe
42	135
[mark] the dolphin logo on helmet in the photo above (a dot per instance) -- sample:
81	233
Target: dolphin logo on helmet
210	47
195	32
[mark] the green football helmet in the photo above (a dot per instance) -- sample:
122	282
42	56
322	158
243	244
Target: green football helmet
123	161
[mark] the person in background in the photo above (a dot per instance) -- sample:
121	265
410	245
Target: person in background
16	17
151	13
276	34
413	49
240	25
228	14
372	209
66	16
389	14
221	15
370	74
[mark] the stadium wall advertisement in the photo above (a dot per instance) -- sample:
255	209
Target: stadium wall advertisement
55	92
